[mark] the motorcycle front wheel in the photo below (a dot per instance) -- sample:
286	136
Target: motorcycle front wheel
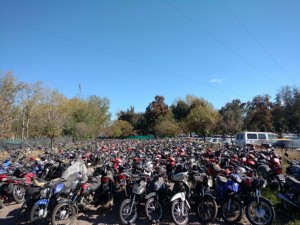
63	213
154	210
128	211
207	210
180	212
261	213
37	215
232	210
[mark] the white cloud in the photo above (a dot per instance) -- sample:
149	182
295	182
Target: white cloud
217	81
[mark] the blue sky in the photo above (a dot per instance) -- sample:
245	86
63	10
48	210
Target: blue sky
132	50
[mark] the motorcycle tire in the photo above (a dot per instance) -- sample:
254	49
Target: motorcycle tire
24	210
127	216
180	212
232	210
18	193
65	212
154	210
35	215
1	204
261	213
207	210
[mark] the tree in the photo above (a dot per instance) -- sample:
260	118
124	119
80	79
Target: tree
125	128
154	110
231	117
287	110
31	96
133	118
92	113
97	113
167	128
258	114
9	88
180	110
202	118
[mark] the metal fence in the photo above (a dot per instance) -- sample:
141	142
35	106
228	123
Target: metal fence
12	144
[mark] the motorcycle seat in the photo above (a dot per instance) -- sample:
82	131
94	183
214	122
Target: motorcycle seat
222	179
15	178
294	181
39	182
95	186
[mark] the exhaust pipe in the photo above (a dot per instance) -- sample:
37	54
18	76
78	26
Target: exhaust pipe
284	198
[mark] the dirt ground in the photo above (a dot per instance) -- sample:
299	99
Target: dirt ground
100	217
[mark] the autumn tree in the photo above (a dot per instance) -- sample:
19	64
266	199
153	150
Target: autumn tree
31	96
155	109
202	118
9	88
125	127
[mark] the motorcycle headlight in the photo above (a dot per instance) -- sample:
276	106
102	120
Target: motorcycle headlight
44	193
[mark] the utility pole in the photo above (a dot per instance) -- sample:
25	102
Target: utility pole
80	86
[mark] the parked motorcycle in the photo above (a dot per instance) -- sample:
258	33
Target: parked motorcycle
291	194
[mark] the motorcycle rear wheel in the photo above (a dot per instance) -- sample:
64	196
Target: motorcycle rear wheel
18	193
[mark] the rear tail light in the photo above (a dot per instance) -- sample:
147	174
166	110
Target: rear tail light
105	179
279	170
121	177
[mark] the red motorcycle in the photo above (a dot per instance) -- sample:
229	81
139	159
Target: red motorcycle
14	188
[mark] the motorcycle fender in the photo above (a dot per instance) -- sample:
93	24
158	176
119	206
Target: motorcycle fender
209	196
281	178
64	200
180	195
42	202
266	200
150	195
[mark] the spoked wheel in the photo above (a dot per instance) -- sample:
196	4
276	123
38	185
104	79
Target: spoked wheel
37	215
63	213
261	213
154	210
207	210
128	211
180	212
18	193
232	211
1	204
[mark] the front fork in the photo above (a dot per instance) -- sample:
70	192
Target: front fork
133	202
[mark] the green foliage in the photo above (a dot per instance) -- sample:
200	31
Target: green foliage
166	126
231	117
202	118
119	128
258	114
9	88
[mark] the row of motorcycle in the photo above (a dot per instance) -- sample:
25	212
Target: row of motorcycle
227	182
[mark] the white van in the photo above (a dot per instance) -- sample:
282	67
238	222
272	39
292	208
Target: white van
257	138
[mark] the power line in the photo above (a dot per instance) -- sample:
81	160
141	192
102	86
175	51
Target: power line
221	42
119	56
256	40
